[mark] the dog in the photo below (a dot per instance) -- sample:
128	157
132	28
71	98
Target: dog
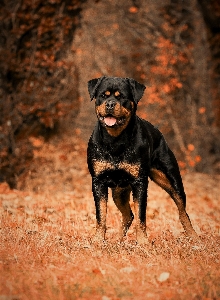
123	152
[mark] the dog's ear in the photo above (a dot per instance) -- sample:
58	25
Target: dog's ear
93	85
137	89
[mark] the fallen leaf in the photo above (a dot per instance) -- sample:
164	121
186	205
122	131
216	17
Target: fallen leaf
163	276
96	271
127	269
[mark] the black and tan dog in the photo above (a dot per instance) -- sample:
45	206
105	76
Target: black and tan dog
123	152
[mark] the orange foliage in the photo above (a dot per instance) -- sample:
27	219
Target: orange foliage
191	147
202	110
182	164
165	77
164	44
191	163
36	142
133	9
115	26
198	158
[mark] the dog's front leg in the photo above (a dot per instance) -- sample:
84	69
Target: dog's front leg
139	190
100	193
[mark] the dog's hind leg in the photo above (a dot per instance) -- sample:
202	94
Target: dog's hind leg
121	197
180	199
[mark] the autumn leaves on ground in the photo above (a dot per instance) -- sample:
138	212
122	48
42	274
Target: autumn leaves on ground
46	229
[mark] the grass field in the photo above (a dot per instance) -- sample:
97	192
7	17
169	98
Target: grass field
46	250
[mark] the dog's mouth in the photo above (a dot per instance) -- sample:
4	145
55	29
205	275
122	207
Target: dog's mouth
111	121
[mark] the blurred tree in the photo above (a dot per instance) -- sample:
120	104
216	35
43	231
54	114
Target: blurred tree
37	81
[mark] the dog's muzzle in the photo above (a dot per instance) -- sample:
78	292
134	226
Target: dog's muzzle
110	106
109	119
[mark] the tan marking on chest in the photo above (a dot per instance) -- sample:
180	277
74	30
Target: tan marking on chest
99	166
132	169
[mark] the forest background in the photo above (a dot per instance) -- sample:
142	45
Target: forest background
50	49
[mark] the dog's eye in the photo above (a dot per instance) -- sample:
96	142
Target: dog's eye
103	95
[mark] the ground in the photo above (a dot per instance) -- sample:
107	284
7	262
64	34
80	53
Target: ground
46	227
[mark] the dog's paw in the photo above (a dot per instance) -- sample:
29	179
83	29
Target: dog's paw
193	237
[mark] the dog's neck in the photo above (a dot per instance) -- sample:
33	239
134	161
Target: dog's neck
117	144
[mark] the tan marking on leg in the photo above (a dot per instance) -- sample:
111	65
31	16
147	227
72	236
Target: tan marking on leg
141	234
132	169
124	207
160	178
183	216
101	227
99	166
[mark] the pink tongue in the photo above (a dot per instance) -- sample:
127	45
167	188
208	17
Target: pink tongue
110	121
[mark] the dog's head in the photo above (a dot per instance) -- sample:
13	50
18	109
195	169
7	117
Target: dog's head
116	101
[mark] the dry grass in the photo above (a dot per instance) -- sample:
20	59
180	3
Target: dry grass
46	250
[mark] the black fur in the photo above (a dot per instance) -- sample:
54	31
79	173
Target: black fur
125	159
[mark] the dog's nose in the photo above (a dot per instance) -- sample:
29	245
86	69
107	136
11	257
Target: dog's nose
110	104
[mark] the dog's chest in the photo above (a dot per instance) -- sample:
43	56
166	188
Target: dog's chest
117	167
